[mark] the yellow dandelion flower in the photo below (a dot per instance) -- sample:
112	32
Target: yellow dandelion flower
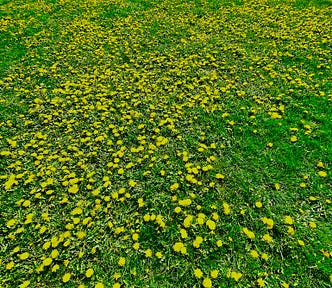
66	277
99	285
198	273
249	234
185	202
265	256
284	285
260	282
159	255
148	253
259	204
198	241
220	176
269	222
10	265
147	217
207	283
322	173
254	254
177	209
290	230
183	233
48	261
81	234
214	273
267	238
312	224
301	243
24	255
174	187
116	285
54	253
136	246
73	189
122	261
25	284
227	209
219	243
211	224
89	272
236	275
116	275
288	220
320	164
11	223
187	221
140	202
178	246
293	138
55	268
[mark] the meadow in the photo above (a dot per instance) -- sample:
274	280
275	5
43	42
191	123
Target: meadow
175	143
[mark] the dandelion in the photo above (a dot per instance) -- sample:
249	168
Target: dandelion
55	268
89	273
25	284
288	220
320	164
227	209
219	243
198	241
187	221
177	247
312	224
292	139
148	253
73	189
10	265
99	285
248	233
207	283
211	224
214	274
260	282
47	261
301	243
259	204
267	238
122	261
236	275
66	277
254	254
24	256
198	273
322	173
174	187
220	176
269	222
183	233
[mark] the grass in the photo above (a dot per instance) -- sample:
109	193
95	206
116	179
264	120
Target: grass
130	129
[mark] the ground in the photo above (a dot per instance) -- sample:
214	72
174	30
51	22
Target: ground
165	143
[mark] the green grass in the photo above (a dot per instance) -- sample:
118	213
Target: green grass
205	94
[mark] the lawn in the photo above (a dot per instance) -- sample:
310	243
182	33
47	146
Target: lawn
165	143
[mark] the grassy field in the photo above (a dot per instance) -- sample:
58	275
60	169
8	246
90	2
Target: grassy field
165	143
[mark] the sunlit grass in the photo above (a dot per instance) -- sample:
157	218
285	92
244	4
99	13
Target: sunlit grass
165	144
